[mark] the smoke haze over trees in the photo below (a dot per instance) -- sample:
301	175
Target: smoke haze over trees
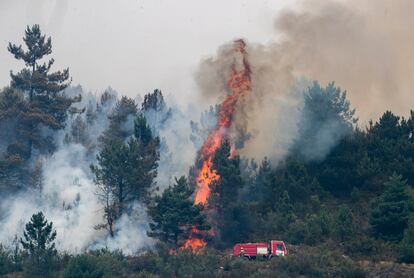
316	150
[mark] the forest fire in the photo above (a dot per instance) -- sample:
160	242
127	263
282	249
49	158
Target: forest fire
239	84
196	243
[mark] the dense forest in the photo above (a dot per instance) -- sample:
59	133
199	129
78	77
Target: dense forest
341	198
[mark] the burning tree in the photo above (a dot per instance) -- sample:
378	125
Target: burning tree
174	214
239	85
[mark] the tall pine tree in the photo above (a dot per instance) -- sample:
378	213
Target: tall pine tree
232	221
126	171
46	104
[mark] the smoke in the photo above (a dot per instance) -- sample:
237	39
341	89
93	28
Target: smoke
67	192
265	120
177	153
57	17
366	48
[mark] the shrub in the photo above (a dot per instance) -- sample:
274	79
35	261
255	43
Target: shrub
6	263
83	266
407	244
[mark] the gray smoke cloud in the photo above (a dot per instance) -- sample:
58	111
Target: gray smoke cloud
366	48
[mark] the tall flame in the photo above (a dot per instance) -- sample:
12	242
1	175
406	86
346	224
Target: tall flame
239	84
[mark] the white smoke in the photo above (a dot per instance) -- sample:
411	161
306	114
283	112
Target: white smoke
177	153
67	195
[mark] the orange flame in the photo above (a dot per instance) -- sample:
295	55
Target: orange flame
206	177
239	84
195	243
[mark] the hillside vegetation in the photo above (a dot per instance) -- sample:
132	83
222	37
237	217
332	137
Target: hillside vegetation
341	199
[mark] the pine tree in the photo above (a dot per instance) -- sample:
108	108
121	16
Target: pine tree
232	220
326	117
110	178
200	130
121	119
39	244
46	104
344	223
14	149
391	211
293	177
78	132
125	171
262	187
174	214
155	110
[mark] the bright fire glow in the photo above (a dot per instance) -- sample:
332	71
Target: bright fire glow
239	85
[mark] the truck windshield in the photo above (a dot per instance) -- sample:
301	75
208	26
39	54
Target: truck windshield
279	247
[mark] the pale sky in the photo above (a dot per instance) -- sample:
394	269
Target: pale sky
135	46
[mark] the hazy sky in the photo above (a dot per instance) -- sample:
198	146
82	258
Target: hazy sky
135	45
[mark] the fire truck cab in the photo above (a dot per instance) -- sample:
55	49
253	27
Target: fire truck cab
262	249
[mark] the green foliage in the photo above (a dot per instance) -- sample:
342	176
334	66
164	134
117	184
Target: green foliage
153	101
346	167
78	132
312	230
142	130
31	108
407	244
46	104
344	223
326	118
355	194
181	264
308	262
125	171
155	110
319	262
391	211
83	266
390	148
125	111
262	186
112	263
232	221
174	214
293	177
201	129
6	262
13	166
38	243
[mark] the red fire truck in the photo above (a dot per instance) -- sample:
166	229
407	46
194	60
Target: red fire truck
261	249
